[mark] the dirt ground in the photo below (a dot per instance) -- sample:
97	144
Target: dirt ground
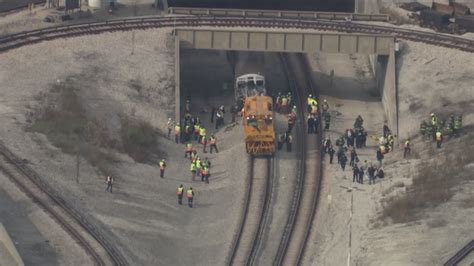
110	74
141	215
404	237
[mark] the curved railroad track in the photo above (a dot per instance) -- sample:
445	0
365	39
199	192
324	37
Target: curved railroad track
259	184
101	251
25	38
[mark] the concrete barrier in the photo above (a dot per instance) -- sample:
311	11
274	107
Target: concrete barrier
6	242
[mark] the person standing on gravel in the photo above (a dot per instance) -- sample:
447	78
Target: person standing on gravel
371	172
361	175
213	143
170	126
289	141
193	170
439	139
190	196
355	173
343	161
162	168
177	131
331	152
353	156
180	193
110	181
406	147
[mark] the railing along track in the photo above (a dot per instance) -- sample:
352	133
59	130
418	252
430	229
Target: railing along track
25	38
36	183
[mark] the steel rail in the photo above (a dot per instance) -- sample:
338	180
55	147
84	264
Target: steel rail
315	200
243	216
29	37
266	210
461	254
237	255
114	255
301	170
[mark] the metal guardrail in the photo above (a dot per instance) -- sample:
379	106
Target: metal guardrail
277	14
461	254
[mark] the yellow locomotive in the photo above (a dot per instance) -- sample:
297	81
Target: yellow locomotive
257	113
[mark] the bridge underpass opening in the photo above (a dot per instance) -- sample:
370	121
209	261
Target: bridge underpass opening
207	77
378	49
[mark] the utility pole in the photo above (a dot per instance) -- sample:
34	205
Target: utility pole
78	164
133	32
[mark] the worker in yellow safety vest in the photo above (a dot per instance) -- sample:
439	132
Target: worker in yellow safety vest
205	174
177	131
202	134
197	130
439	139
193	170
188	150
180	193
198	166
190	196
162	164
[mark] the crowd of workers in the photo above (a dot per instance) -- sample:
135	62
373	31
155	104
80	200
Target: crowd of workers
436	128
190	131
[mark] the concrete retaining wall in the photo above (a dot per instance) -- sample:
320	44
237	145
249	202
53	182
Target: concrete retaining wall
390	94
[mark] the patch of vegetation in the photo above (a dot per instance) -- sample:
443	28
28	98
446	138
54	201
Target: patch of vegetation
437	223
64	121
139	140
433	185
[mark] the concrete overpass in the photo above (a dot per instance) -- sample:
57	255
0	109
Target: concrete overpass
297	41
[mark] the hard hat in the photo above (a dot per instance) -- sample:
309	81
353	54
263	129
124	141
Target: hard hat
325	100
294	106
310	95
169	118
432	114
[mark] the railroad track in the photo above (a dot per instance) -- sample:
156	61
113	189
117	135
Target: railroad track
305	197
25	38
257	198
84	233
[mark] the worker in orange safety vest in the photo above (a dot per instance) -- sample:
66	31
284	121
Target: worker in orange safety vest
213	143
